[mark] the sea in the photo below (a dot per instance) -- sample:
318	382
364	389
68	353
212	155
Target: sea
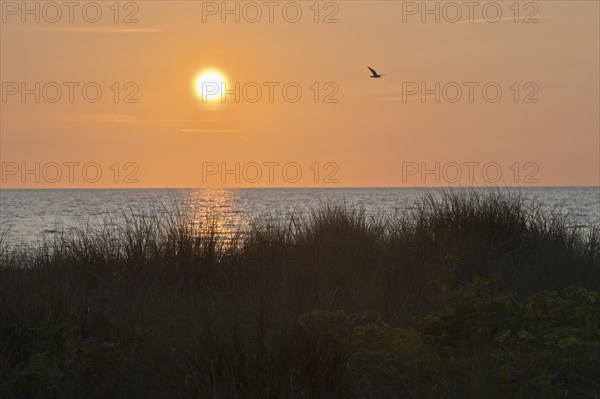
32	215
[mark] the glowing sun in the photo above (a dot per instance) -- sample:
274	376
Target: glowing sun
209	85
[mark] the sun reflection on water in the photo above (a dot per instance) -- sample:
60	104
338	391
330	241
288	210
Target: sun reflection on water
217	211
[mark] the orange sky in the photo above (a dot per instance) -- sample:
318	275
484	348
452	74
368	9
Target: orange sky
372	136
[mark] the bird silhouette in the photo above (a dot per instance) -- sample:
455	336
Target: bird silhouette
374	73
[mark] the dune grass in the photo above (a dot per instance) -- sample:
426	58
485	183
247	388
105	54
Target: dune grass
468	295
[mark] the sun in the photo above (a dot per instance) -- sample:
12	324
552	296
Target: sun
209	85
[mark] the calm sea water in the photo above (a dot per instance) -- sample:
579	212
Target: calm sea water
34	214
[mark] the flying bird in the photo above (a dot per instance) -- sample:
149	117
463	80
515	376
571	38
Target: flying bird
374	73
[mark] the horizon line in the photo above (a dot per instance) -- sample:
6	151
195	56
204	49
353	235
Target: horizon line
288	187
